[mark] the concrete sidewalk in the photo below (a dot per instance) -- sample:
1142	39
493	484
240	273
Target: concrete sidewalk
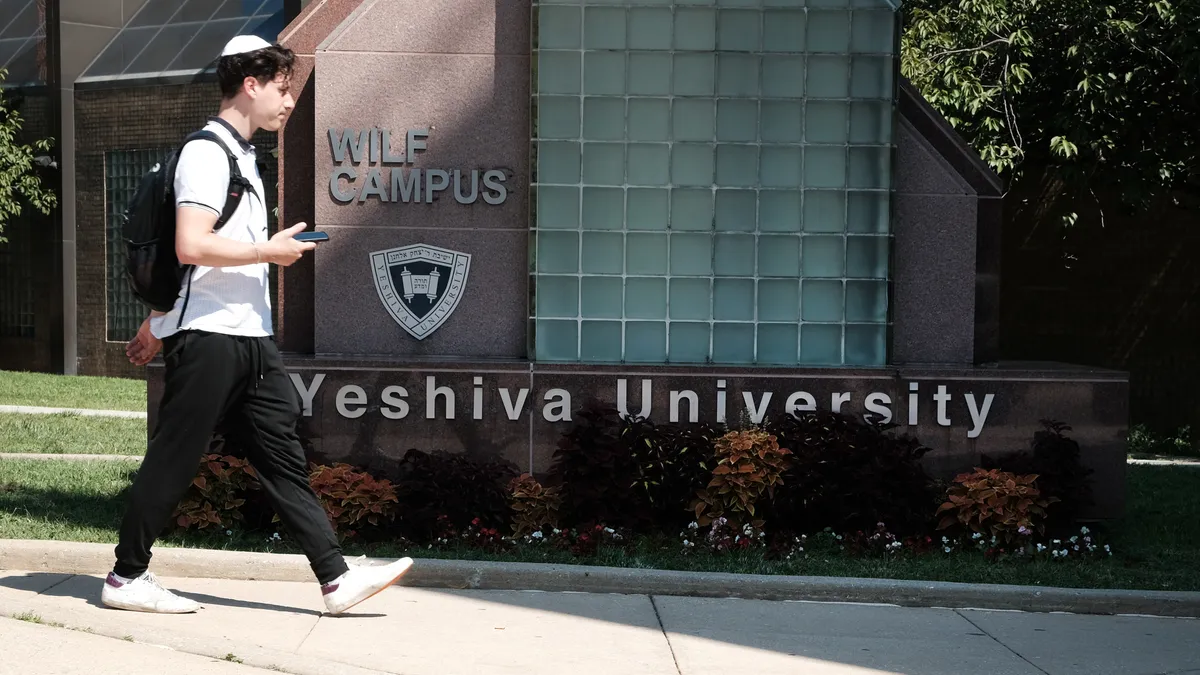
280	625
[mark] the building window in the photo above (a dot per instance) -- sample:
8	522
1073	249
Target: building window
712	182
18	311
23	42
123	170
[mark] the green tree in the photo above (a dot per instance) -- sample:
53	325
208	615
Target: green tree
19	183
1106	95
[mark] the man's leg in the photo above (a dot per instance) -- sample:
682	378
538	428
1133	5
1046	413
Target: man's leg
268	431
201	372
264	424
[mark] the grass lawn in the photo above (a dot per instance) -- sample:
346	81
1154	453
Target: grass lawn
1156	545
63	391
67	434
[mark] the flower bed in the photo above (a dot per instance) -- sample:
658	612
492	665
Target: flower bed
791	488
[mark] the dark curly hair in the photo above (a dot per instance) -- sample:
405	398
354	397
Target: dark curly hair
263	65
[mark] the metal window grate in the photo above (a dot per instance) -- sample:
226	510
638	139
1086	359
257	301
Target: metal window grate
123	170
18	314
712	181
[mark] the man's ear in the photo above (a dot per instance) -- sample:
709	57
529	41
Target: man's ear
250	85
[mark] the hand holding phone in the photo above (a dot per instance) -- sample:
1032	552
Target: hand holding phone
312	236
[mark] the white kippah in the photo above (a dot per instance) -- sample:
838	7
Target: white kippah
244	43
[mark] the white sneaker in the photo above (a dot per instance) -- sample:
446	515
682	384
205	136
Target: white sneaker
144	594
360	583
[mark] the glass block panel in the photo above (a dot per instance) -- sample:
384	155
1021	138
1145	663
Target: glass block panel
779	210
558	208
871	77
692	164
779	256
824	211
604	73
645	341
781	121
558	73
558	117
821	344
868	212
866	301
784	3
873	31
650	28
692	210
691	299
600	341
647	209
649	119
734	255
603	252
558	27
866	345
778	344
737	120
737	75
821	300
828	77
603	119
692	119
779	300
557	340
736	211
558	297
650	74
694	75
691	254
738	3
646	253
828	31
603	28
601	297
867	257
825	122
645	298
604	163
783	31
780	167
783	76
823	256
870	167
558	162
737	165
733	299
825	167
695	29
648	164
871	122
733	343
689	342
603	208
738	30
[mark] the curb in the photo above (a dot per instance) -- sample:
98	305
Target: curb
83	558
85	412
69	457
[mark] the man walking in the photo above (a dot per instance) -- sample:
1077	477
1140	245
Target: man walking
221	361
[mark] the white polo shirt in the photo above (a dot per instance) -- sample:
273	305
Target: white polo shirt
230	300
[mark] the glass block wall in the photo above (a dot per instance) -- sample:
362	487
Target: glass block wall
712	181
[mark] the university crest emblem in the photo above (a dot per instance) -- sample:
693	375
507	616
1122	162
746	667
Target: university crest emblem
420	285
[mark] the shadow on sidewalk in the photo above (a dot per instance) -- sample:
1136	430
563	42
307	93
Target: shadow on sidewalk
87	588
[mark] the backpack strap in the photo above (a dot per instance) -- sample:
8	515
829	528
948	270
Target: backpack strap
238	186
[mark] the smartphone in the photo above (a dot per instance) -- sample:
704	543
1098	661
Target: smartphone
312	236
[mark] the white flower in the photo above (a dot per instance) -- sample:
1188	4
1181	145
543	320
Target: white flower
945	540
1084	530
1074	539
976	535
947	549
1054	553
229	533
536	535
609	530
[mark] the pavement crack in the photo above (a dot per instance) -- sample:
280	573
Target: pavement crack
308	634
663	628
994	639
60	583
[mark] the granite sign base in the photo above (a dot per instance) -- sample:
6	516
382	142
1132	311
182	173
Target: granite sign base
371	412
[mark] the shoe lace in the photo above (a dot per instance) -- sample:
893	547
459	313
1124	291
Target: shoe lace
153	581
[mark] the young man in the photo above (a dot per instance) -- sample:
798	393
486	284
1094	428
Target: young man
221	361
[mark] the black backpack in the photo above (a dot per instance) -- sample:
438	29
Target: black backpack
148	228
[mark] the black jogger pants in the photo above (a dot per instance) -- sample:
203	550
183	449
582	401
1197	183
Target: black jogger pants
241	383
